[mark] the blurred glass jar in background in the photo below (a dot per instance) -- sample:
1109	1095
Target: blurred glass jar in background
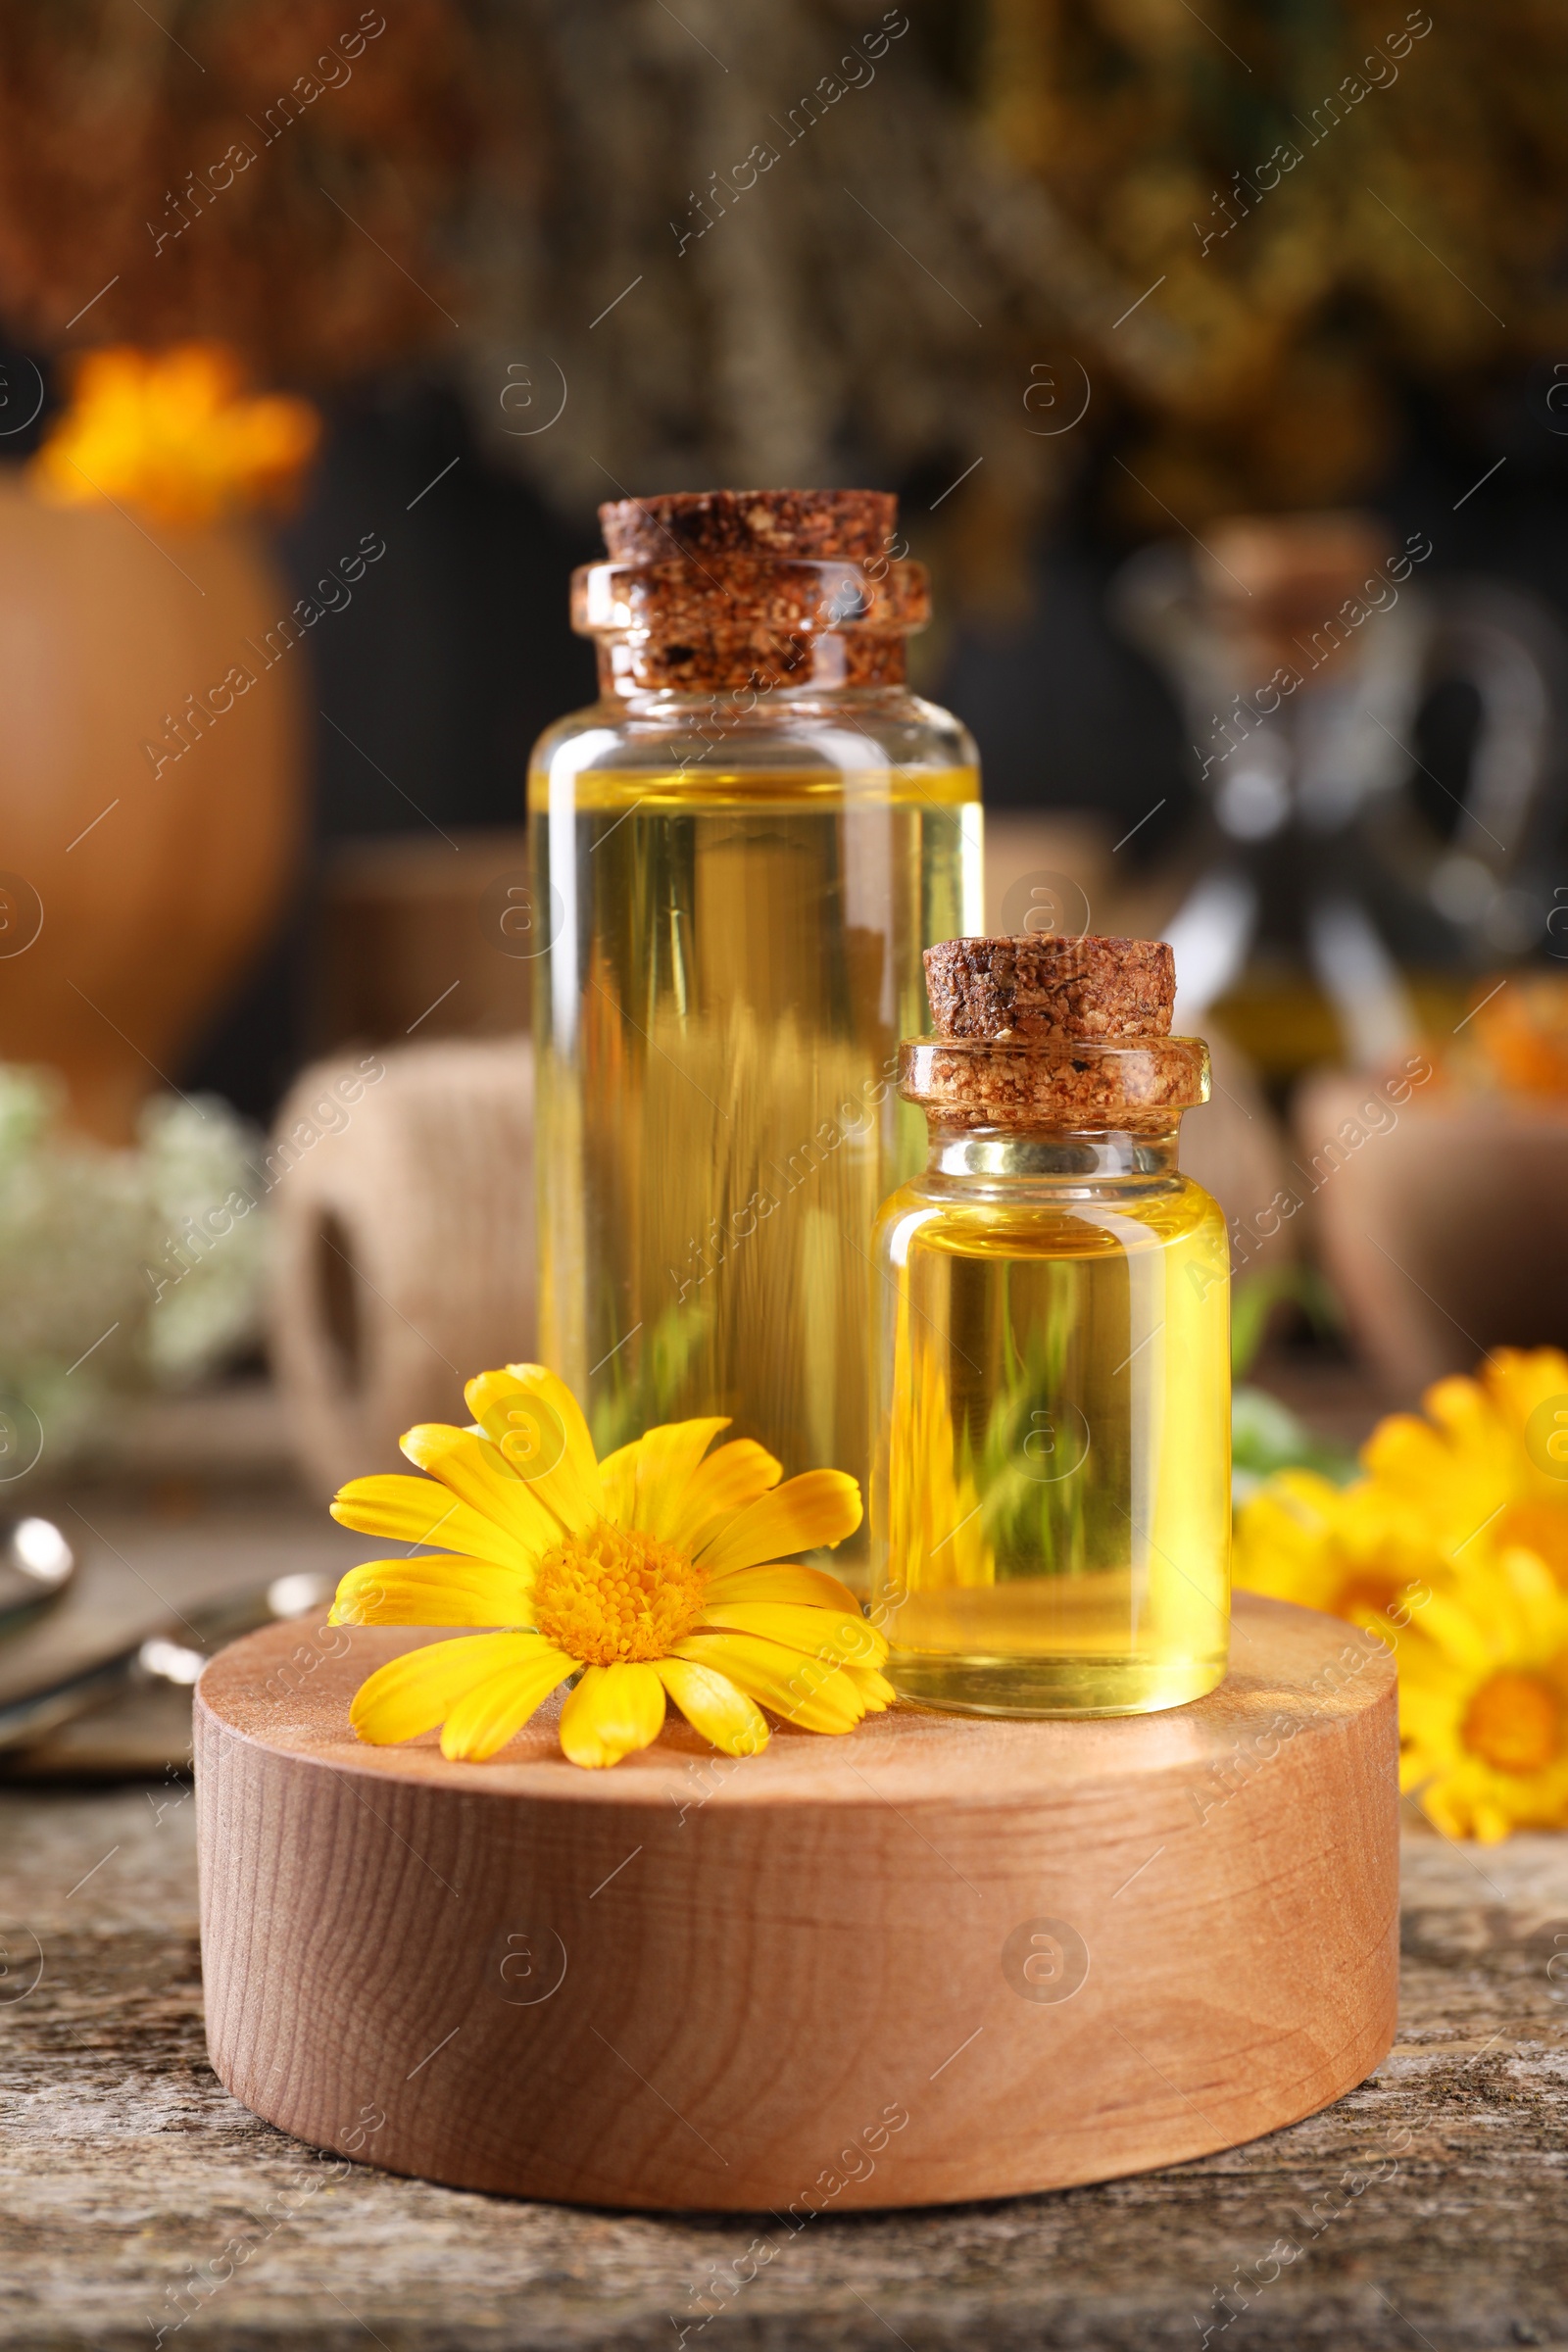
1341	894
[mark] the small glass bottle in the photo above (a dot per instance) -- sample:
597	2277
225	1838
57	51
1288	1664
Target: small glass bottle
740	851
1051	1507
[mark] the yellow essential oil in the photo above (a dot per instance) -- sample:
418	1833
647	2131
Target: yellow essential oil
739	853
717	1107
1050	1503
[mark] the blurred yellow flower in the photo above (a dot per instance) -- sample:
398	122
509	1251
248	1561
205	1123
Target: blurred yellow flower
653	1574
1484	1702
1453	1546
174	433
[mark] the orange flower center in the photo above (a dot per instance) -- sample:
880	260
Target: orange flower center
1370	1595
1515	1723
614	1593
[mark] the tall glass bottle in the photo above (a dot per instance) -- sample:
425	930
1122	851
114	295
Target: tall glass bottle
1051	1506
740	851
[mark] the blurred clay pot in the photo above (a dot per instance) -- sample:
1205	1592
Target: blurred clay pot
1440	1219
150	802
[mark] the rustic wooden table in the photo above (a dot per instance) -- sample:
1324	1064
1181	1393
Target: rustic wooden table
141	2204
1430	2207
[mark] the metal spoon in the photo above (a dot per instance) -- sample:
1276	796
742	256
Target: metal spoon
36	1569
175	1655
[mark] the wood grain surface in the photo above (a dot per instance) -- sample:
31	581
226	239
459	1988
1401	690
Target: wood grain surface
939	1959
1429	2205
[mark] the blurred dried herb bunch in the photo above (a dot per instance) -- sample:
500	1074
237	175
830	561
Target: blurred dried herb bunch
1341	204
790	240
264	171
329	189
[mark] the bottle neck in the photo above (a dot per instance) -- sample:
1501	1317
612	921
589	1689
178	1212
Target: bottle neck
1038	1154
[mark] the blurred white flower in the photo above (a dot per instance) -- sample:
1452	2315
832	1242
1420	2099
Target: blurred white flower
120	1269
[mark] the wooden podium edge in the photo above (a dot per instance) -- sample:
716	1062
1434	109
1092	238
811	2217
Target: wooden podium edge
353	1931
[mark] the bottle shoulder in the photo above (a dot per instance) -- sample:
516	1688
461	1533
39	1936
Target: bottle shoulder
962	1217
848	735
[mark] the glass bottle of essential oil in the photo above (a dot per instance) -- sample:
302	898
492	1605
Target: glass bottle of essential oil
740	852
1051	1506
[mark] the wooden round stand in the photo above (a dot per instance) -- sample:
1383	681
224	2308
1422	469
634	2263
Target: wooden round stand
940	1958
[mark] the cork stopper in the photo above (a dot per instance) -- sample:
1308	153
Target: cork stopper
817	526
750	590
1047	985
1053	1034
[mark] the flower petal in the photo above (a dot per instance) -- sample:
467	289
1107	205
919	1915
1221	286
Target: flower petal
875	1687
783	1579
537	1423
820	1507
413	1693
478	1474
433	1591
836	1634
420	1510
617	1484
667	1462
495	1710
733	1476
712	1706
814	1693
613	1710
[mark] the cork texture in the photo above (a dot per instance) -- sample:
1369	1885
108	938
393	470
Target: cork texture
1055	1034
753	589
1049	986
814	524
1053	1087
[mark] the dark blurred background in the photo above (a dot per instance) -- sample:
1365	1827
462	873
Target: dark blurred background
977	218
1218	358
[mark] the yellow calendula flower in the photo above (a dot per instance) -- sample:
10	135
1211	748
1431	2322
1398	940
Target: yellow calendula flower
1491	1457
1454	1546
1484	1702
654	1574
1355	1553
176	433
